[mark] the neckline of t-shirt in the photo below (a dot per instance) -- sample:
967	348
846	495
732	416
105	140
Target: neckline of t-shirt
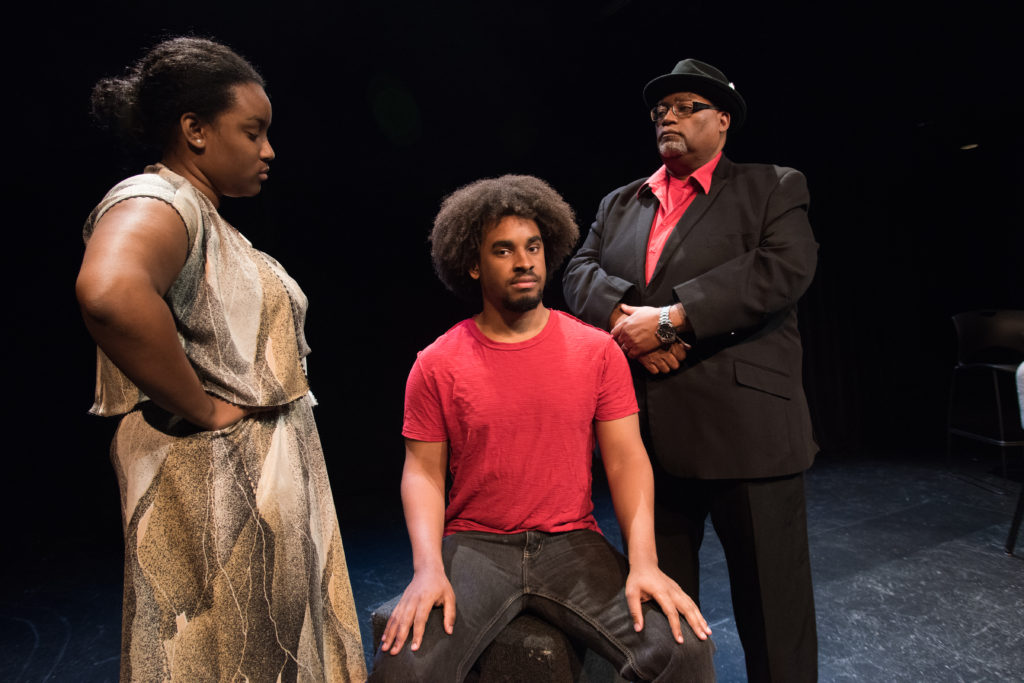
549	326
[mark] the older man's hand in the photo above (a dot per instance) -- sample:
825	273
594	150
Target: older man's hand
664	360
635	331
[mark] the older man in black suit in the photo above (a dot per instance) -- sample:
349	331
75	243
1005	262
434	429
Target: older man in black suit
697	271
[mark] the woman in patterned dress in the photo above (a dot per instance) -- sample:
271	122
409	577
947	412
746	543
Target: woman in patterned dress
234	567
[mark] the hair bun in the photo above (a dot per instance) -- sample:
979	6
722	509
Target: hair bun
114	104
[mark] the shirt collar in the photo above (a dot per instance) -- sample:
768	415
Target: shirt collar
702	176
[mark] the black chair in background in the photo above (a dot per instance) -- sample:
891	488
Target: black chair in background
1011	540
983	401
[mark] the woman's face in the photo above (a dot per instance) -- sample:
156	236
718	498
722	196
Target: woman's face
235	155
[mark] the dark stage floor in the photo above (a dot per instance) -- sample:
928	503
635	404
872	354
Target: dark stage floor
911	581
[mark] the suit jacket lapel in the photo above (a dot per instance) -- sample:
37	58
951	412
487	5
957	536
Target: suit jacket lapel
693	214
643	222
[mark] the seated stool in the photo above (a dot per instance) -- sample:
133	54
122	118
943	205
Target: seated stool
529	650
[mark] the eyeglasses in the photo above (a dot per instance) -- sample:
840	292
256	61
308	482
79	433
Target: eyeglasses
681	110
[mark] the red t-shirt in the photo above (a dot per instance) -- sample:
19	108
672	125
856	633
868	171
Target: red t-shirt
518	419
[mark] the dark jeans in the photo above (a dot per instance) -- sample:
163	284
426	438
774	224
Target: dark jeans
573	580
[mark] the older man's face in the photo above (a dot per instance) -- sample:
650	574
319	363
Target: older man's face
686	143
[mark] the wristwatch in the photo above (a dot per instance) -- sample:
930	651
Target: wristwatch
666	332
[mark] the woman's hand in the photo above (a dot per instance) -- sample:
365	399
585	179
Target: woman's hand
223	414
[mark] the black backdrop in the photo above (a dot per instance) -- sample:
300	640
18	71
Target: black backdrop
383	108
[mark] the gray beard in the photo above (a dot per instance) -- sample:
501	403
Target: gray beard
672	148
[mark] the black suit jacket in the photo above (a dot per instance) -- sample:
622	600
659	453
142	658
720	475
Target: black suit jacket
738	261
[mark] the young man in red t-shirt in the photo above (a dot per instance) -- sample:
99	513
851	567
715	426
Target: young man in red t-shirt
510	402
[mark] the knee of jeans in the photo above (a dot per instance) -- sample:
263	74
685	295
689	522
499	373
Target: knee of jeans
695	657
691	660
404	667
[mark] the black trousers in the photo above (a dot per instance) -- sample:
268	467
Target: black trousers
762	524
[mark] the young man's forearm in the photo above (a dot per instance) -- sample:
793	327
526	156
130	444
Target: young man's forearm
423	500
631	483
633	499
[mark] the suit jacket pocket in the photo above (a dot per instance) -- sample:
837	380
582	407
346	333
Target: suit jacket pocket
763	379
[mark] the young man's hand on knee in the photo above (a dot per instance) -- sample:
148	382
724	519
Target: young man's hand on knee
428	589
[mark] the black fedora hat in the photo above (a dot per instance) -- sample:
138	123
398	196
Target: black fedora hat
697	77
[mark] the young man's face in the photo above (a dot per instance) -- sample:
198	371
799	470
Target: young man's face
511	269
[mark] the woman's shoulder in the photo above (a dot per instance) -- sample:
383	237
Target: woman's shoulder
149	183
155	182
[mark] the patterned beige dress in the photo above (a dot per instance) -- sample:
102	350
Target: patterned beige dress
234	568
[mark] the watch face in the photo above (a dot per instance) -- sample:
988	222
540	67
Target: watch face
666	334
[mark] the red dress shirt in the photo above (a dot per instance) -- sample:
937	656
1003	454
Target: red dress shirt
674	197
